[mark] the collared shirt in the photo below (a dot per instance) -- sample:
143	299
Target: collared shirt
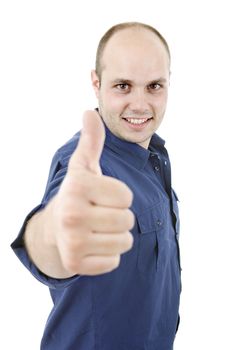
134	307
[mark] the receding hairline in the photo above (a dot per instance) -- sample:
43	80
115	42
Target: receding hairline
120	27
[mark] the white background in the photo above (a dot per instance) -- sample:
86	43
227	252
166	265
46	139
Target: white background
47	52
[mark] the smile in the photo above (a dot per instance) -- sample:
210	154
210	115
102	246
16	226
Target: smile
137	121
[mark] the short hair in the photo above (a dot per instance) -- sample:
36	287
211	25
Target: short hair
116	28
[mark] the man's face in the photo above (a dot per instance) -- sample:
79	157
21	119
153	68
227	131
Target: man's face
134	83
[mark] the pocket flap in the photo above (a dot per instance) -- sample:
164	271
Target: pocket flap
152	219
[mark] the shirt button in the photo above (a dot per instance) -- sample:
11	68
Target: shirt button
156	168
159	222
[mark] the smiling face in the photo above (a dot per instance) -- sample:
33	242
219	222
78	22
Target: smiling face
133	90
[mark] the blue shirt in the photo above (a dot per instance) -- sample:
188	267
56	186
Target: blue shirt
134	307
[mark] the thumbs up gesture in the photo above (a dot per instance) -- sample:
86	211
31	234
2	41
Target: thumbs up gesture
91	215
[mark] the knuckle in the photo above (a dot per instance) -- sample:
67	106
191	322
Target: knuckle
124	192
129	219
70	264
130	240
125	243
127	194
79	245
76	244
73	217
123	219
129	197
72	250
115	262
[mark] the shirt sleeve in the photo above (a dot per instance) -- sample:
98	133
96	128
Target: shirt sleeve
57	173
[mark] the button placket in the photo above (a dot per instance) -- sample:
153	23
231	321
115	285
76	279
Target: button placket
157	162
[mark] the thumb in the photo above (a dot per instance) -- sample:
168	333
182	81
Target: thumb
88	152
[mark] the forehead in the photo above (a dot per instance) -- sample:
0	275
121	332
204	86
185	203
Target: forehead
135	51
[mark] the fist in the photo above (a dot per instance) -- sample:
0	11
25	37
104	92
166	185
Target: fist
91	215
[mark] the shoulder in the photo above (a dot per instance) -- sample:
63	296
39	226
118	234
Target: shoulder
64	153
70	145
62	156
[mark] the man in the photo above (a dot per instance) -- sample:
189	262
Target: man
105	237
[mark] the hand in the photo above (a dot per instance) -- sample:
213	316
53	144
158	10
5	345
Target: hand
90	214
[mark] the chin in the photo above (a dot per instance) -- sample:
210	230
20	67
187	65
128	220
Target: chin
137	140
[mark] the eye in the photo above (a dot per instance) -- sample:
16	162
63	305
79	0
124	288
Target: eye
122	87
155	86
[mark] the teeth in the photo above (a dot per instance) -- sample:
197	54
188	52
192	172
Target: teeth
136	121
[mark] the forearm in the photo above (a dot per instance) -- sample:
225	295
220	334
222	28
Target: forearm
40	246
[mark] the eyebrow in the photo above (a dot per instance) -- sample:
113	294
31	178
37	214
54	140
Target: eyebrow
130	82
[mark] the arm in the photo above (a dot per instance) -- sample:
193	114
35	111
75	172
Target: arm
85	228
40	248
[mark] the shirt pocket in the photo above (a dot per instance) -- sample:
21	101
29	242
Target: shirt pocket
150	223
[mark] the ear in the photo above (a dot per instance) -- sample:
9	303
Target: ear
95	82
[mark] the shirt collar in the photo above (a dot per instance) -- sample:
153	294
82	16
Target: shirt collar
131	152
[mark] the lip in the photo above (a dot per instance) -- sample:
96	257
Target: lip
141	117
136	126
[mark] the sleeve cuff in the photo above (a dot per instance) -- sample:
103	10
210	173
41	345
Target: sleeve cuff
20	251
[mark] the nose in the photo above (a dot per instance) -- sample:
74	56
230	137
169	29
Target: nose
138	100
